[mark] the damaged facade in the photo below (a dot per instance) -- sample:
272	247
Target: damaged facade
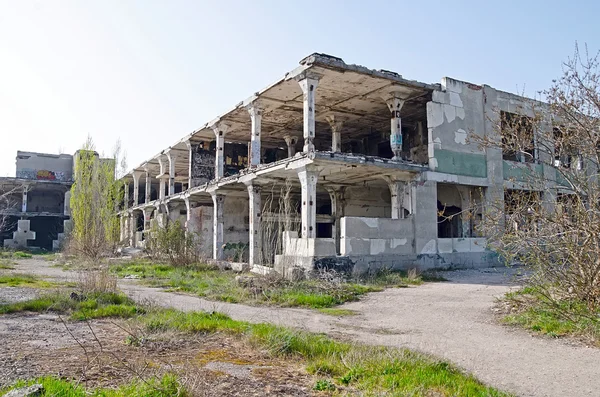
35	204
34	211
334	165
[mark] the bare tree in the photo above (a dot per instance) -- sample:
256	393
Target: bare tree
7	202
551	220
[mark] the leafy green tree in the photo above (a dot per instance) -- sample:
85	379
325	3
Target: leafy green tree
95	197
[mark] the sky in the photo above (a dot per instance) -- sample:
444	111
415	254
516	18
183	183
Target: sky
149	72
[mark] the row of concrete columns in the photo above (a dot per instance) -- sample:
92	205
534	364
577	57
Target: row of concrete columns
308	83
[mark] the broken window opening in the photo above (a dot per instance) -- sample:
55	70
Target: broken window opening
518	138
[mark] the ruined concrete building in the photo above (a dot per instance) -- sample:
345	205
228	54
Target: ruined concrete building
34	205
310	173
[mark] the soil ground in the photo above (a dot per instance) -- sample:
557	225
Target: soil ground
454	320
213	365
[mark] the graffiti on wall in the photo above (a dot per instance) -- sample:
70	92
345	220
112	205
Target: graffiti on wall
43	175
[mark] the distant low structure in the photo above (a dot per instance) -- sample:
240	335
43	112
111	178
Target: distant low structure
34	210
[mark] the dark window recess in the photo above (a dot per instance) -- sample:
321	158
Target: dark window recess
449	221
518	142
324	230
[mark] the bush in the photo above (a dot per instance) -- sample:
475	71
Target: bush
173	244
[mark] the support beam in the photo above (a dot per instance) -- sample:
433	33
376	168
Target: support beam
400	193
161	185
132	229
125	195
338	204
290	141
336	123
148	192
256	117
255	238
218	204
188	213
395	104
24	203
308	176
147	218
220	129
308	84
136	186
190	163
172	157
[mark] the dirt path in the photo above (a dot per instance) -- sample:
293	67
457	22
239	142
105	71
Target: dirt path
453	320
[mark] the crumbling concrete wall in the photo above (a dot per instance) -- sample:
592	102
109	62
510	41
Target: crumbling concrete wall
21	235
453	115
371	201
374	236
43	166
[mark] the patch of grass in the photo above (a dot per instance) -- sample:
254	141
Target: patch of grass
332	311
324	385
15	254
6	264
534	311
371	370
211	283
96	305
167	386
398	278
24	280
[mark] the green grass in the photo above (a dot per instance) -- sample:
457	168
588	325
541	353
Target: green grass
7	264
533	311
332	311
15	254
371	370
95	305
167	386
368	369
214	284
23	280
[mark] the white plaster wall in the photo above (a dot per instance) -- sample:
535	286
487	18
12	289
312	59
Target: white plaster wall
368	201
376	236
236	221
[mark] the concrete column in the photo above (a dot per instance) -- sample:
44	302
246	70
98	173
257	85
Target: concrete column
24	203
338	204
126	196
161	186
132	229
67	206
395	104
336	123
136	187
290	141
256	117
398	190
122	226
188	213
424	215
308	180
309	84
220	129
466	206
190	163
172	157
218	203
148	192
147	217
255	238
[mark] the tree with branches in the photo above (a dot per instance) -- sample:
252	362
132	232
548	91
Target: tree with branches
551	222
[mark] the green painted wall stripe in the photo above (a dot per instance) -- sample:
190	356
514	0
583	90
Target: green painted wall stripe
457	163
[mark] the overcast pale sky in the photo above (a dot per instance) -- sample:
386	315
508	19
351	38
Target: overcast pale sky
149	72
